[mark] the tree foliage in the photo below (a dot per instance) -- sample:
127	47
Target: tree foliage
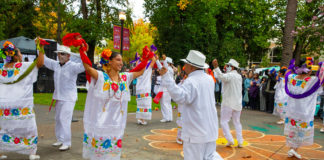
223	29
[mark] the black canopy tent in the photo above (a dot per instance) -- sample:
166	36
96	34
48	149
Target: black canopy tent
24	44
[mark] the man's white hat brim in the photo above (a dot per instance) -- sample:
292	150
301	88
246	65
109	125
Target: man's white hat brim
205	66
61	51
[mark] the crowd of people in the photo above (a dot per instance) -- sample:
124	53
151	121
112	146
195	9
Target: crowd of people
197	88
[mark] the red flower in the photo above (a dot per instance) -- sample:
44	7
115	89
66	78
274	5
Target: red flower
294	82
145	110
146	95
6	112
119	143
124	77
17	140
4	73
293	122
43	42
18	65
114	87
307	79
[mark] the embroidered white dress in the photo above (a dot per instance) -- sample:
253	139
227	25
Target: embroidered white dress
143	95
299	121
18	130
105	117
179	118
281	98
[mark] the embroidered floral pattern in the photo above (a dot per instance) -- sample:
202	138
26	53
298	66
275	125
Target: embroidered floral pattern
141	110
16	113
103	145
19	140
143	95
109	84
299	124
10	72
299	82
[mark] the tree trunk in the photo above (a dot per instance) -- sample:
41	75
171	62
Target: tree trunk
84	9
288	41
298	50
90	53
59	22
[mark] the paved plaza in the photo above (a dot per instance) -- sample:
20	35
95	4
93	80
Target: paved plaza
156	141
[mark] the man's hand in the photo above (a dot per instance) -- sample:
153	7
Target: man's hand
215	63
163	71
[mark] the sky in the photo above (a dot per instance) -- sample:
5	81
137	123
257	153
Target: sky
138	8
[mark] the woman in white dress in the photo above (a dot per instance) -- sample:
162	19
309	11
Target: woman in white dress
18	130
105	111
299	122
281	97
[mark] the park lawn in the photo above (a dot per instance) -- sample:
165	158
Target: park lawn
46	98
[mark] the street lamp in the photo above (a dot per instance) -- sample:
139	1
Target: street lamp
122	18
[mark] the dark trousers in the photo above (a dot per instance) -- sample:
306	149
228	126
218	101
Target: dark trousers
255	103
218	97
269	102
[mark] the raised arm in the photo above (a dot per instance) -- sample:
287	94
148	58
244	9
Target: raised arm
137	74
86	64
40	47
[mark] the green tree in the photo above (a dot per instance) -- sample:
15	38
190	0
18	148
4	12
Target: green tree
16	18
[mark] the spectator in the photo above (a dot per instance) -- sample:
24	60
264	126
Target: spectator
270	91
254	92
262	94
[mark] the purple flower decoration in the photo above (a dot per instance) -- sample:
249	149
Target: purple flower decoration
8	59
153	48
137	58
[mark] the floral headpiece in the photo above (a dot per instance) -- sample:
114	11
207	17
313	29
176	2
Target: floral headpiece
105	55
309	61
8	51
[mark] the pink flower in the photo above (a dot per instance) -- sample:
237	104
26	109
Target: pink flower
303	27
18	65
314	18
119	143
114	87
309	1
124	77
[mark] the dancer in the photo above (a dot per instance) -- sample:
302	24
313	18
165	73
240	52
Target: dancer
232	100
18	130
199	115
302	90
65	93
281	97
143	93
105	111
166	107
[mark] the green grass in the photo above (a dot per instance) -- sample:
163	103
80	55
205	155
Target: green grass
46	98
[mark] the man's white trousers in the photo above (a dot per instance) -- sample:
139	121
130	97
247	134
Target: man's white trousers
63	118
227	114
200	151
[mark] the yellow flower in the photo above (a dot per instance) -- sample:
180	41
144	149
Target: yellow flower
16	72
303	85
1	112
303	125
106	86
0	72
26	141
25	111
93	142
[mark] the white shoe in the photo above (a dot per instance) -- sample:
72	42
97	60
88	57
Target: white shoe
322	130
179	141
33	157
163	120
3	157
292	153
142	122
64	147
281	122
57	144
229	144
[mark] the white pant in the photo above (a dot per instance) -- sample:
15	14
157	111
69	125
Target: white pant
63	118
166	106
200	151
227	114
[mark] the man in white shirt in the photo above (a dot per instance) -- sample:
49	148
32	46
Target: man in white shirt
231	100
199	115
65	93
